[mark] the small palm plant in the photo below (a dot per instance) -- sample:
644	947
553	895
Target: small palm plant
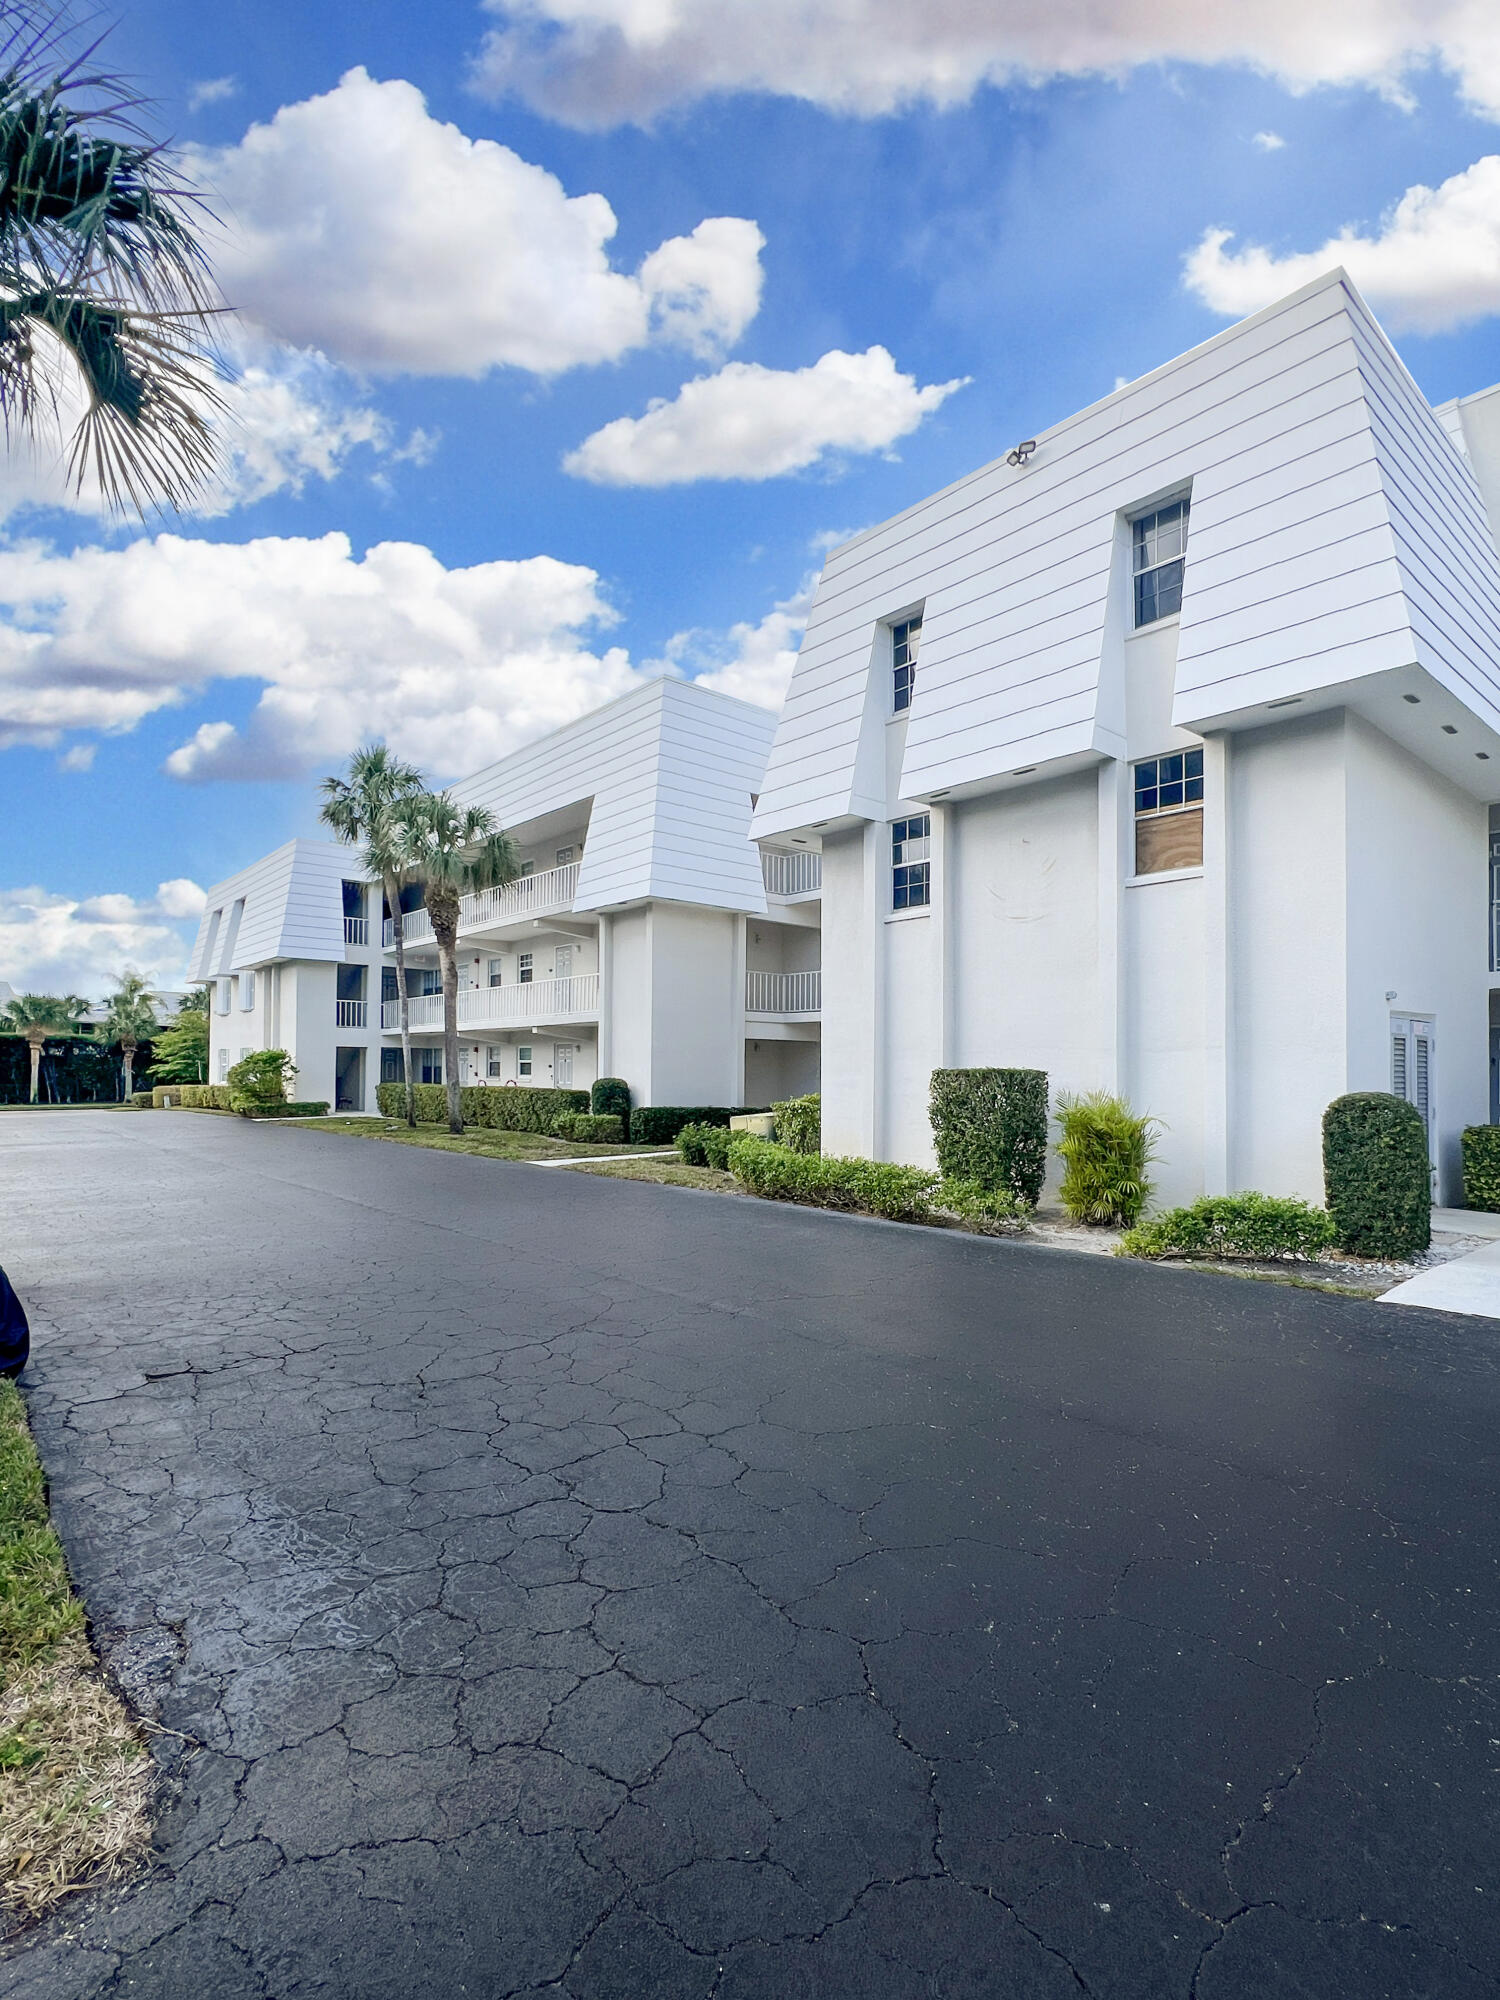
39	1016
105	288
129	1020
364	809
453	851
1106	1150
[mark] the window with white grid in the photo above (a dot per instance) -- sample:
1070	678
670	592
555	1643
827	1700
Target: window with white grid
906	639
1160	551
911	862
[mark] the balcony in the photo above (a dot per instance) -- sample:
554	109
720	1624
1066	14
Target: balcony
787	873
784	994
351	1013
356	930
532	896
551	1000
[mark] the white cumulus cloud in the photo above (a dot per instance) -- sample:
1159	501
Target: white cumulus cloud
1433	264
752	660
597	63
66	944
361	226
750	422
455	666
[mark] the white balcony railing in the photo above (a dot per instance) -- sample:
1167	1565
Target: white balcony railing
791	874
574	999
356	930
352	1013
531	896
784	992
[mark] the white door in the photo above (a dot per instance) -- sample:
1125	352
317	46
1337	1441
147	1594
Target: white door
562	1065
1414	1071
562	961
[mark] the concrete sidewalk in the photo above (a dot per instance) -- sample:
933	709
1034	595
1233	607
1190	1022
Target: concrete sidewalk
1468	1284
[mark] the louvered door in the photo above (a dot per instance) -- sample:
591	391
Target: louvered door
1414	1070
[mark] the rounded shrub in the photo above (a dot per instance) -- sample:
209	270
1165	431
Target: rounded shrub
1376	1175
1481	1148
799	1123
990	1126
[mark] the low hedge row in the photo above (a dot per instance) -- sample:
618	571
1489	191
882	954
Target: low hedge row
1262	1226
1481	1150
292	1108
989	1210
492	1105
705	1145
871	1187
659	1124
192	1096
586	1128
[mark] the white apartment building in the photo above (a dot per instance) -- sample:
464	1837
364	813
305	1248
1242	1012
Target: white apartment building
647	938
1159	754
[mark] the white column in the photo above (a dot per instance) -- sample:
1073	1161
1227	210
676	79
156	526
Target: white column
606	997
737	1012
876	897
943	857
1116	861
1217	990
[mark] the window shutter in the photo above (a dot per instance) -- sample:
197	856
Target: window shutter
1420	1077
1398	1063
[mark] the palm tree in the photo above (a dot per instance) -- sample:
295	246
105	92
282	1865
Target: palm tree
129	1020
364	811
453	851
38	1016
104	285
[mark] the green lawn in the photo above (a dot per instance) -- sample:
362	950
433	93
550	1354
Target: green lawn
482	1140
74	1773
666	1173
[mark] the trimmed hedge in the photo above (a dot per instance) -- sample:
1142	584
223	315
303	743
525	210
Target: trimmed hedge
990	1125
870	1187
587	1128
144	1098
258	1081
293	1108
705	1145
1105	1150
1481	1145
1262	1226
497	1106
989	1210
192	1096
799	1123
1376	1175
659	1124
610	1098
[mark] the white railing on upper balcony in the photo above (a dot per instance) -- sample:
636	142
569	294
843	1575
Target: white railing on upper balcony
530	896
356	930
352	1013
791	874
784	992
576	998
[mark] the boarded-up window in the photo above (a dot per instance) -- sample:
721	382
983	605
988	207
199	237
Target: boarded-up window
1174	840
1169	812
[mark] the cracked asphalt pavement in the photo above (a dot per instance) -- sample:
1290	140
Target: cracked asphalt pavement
547	1587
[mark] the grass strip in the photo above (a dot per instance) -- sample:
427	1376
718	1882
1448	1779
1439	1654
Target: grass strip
75	1778
483	1141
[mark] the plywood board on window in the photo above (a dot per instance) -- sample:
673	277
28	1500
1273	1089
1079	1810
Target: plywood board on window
1169	840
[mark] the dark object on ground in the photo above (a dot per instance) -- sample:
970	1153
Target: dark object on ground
15	1334
1377	1175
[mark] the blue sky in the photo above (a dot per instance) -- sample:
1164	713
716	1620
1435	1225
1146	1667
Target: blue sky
446	357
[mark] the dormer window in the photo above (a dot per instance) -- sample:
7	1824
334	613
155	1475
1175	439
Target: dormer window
1160	548
906	637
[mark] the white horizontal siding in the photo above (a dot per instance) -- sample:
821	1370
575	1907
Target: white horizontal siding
293	908
1268	422
665	775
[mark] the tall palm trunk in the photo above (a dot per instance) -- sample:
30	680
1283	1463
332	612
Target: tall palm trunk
393	897
442	908
35	1044
127	1055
